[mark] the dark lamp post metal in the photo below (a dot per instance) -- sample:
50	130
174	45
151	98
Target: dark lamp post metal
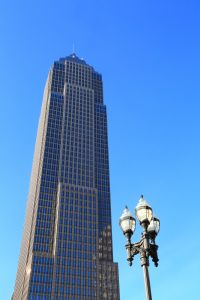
146	247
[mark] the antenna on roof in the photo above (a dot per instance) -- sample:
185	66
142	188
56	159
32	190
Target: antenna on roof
73	47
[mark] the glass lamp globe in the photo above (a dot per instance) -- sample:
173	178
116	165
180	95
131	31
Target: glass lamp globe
127	222
143	211
154	226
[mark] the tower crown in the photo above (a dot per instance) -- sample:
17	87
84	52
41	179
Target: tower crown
74	58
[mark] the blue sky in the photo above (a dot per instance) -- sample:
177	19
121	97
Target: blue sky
148	54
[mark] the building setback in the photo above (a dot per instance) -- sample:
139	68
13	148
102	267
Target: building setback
66	250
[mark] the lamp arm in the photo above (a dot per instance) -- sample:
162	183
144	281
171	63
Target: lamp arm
132	250
153	252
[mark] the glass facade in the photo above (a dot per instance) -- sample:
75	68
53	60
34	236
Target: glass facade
66	250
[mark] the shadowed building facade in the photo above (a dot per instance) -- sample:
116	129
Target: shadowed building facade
66	250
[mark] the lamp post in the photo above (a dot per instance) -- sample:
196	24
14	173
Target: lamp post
146	247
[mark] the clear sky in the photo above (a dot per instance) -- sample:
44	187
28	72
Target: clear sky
148	52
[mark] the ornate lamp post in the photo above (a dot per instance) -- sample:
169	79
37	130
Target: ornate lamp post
146	247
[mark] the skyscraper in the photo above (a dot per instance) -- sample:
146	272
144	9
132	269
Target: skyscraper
66	250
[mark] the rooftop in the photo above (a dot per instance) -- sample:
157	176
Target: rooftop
73	57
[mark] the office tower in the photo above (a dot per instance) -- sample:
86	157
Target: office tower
66	250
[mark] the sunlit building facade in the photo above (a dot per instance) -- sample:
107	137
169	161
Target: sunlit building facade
66	250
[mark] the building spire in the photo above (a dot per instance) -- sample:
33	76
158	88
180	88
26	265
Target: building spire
73	48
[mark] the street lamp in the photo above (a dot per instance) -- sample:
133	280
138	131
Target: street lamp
146	246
